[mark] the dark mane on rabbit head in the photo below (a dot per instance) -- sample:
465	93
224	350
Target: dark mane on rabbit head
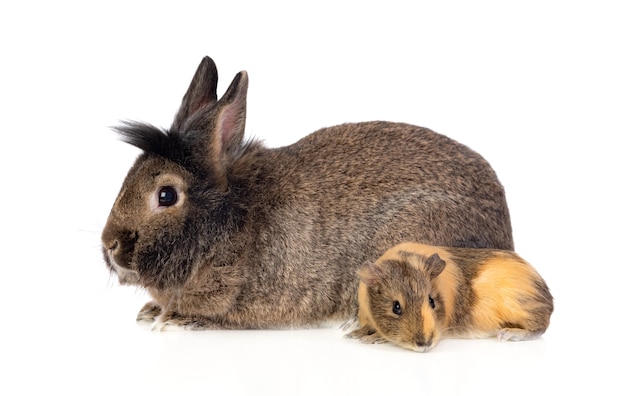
153	140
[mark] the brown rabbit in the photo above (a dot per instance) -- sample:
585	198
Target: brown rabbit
226	233
416	294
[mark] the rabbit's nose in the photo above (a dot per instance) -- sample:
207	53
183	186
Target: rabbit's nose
113	246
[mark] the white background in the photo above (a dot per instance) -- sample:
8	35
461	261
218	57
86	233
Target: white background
538	88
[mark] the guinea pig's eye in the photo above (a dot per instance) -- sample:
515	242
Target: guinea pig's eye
431	302
396	308
167	196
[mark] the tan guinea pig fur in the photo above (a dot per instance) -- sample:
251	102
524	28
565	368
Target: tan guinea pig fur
414	295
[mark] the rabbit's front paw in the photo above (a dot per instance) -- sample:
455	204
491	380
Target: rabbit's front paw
168	325
171	321
149	312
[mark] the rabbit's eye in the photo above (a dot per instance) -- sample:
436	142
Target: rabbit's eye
396	308
167	196
431	302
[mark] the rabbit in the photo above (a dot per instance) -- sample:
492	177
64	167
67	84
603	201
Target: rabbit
225	233
416	294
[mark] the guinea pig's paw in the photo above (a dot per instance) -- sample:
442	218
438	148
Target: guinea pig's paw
373	339
366	336
149	312
357	333
512	334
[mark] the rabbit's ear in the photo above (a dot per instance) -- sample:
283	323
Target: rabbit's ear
227	130
231	116
201	92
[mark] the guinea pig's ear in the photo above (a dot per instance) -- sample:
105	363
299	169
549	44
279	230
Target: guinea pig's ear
202	92
434	265
371	274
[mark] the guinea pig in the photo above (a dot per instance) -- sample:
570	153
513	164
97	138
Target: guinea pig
414	295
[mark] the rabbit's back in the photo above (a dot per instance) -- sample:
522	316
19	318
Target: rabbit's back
393	155
396	179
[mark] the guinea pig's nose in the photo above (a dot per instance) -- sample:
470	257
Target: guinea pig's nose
423	343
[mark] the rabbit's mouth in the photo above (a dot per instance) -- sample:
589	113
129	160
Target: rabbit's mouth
126	276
